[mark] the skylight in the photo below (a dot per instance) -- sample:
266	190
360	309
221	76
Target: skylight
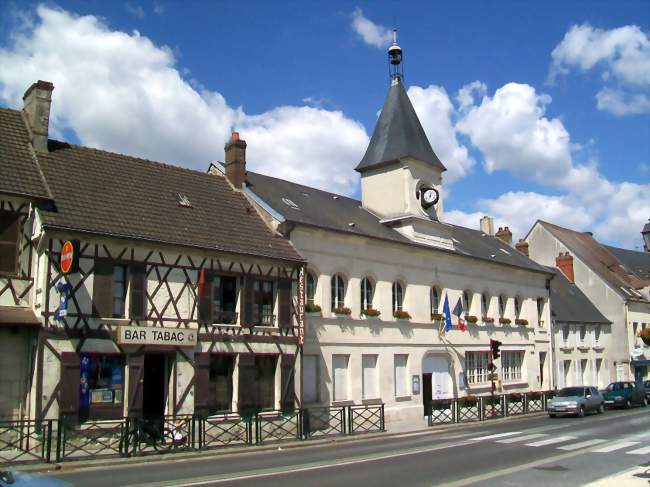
290	203
504	251
183	200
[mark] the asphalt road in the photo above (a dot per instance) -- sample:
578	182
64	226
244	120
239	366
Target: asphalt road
527	451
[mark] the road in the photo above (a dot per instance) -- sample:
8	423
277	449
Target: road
525	451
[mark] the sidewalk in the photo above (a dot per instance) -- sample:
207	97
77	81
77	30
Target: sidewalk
636	477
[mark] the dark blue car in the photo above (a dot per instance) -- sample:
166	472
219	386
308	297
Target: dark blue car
22	479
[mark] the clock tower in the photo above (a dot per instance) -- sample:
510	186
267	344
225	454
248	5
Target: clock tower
401	176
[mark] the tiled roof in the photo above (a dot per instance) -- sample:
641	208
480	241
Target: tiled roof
309	206
19	172
570	305
601	260
637	262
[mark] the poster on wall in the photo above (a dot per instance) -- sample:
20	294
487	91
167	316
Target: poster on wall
84	385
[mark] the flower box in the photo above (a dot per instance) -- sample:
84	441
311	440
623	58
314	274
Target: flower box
468	401
401	315
313	308
342	312
487	319
471	319
521	322
645	336
370	313
441	404
515	397
436	317
505	321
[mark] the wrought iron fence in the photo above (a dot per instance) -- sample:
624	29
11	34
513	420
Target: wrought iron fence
492	407
90	439
323	421
442	411
25	441
221	430
277	426
468	409
160	435
515	404
366	419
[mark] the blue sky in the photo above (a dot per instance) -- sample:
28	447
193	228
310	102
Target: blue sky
556	125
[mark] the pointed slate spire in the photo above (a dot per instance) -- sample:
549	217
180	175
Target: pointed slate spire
398	134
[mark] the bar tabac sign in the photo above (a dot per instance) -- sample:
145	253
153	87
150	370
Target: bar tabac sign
149	335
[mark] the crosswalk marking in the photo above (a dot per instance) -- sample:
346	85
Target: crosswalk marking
581	444
615	446
640	451
500	435
522	438
550	441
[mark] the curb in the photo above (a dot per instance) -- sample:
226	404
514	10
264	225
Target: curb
99	463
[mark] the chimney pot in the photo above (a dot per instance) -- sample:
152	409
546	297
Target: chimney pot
235	164
505	235
37	101
564	262
522	246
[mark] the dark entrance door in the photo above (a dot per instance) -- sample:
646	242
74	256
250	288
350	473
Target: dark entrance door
154	385
426	393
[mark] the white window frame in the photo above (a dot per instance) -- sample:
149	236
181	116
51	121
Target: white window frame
511	365
476	367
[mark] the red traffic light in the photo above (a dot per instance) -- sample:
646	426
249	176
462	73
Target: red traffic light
494	349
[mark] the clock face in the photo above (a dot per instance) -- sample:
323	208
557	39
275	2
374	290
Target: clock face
429	197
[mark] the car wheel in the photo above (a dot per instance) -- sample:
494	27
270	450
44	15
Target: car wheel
628	404
551	415
601	409
581	412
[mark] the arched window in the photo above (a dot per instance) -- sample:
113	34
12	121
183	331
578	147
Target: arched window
338	291
366	294
502	306
398	296
485	304
435	300
311	288
540	309
517	306
467	302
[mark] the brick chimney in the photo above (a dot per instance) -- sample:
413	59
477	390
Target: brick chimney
36	109
236	160
522	246
505	235
487	225
564	262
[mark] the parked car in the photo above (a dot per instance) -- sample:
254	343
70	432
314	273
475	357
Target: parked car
646	384
625	395
576	401
22	479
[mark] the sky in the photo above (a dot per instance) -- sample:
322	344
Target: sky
539	110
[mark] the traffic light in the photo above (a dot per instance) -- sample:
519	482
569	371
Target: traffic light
494	348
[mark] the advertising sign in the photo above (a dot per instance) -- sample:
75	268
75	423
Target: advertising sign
150	335
301	305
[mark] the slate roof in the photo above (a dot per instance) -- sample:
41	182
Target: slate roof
601	260
398	134
19	171
636	262
330	211
570	305
116	195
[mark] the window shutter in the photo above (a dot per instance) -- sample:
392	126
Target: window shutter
138	290
136	380
69	386
284	303
202	383
287	397
103	288
249	301
9	241
248	384
205	297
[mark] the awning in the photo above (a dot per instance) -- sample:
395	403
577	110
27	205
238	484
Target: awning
15	316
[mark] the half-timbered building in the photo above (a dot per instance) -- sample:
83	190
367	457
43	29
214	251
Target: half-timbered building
156	289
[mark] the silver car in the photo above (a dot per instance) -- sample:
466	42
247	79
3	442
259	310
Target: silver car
576	401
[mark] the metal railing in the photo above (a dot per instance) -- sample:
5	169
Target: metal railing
25	441
324	421
366	419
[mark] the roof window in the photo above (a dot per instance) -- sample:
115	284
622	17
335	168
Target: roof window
290	203
505	251
183	200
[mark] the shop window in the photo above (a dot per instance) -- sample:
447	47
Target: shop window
101	391
311	289
264	304
338	292
220	389
366	294
9	242
256	382
476	367
398	296
224	299
435	300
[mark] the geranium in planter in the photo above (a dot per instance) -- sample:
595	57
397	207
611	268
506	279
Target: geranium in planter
521	322
342	310
468	401
515	397
645	335
436	317
505	321
312	308
471	318
441	404
534	396
401	314
370	312
487	319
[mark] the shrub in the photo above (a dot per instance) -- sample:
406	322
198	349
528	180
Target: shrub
370	312
342	310
401	315
312	308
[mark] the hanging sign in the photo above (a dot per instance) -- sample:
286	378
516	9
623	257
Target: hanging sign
150	335
415	385
69	259
301	305
64	291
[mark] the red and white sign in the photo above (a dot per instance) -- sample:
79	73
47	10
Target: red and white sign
69	261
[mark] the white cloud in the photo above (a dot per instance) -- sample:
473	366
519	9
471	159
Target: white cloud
372	34
436	113
135	10
621	55
121	92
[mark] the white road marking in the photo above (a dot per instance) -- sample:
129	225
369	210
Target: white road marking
615	446
550	441
640	451
491	437
522	438
581	444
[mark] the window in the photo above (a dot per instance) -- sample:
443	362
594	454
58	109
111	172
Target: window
310	378
467	302
264	304
578	372
567	370
502	306
485	304
366	294
119	291
369	376
311	288
511	363
9	242
101	391
398	296
401	376
220	388
476	367
583	334
435	300
540	309
564	336
256	385
338	292
340	374
224	299
517	306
